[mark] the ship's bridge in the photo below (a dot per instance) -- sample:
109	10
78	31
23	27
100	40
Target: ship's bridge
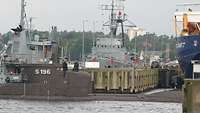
109	42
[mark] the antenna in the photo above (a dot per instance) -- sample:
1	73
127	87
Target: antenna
30	27
30	22
23	14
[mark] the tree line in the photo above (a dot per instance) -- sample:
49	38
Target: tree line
71	42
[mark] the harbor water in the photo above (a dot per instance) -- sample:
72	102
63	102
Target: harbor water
21	106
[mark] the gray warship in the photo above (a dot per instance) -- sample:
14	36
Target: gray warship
23	48
29	68
110	50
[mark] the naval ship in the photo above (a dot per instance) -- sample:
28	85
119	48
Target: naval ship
28	68
187	26
110	50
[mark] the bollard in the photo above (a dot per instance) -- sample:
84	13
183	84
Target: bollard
191	96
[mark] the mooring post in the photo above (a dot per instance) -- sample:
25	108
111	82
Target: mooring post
24	89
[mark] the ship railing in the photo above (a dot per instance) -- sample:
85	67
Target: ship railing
27	58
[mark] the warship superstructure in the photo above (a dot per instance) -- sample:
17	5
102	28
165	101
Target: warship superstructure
28	48
110	50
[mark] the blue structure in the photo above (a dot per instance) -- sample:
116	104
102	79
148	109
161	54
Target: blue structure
187	25
188	49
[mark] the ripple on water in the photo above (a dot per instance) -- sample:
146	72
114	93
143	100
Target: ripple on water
17	106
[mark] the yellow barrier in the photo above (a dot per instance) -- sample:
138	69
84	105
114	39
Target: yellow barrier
124	80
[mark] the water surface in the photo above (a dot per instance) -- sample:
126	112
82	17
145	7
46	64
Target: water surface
19	106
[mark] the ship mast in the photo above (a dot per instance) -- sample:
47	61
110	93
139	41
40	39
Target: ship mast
117	17
113	27
23	14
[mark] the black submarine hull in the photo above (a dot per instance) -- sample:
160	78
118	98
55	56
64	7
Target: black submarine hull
44	80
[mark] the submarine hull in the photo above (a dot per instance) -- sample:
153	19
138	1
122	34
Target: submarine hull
48	80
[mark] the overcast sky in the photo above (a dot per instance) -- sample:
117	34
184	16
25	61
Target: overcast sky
151	15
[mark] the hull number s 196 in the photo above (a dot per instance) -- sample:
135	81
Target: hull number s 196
42	71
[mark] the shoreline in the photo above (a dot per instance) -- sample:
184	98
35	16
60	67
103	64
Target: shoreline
172	96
